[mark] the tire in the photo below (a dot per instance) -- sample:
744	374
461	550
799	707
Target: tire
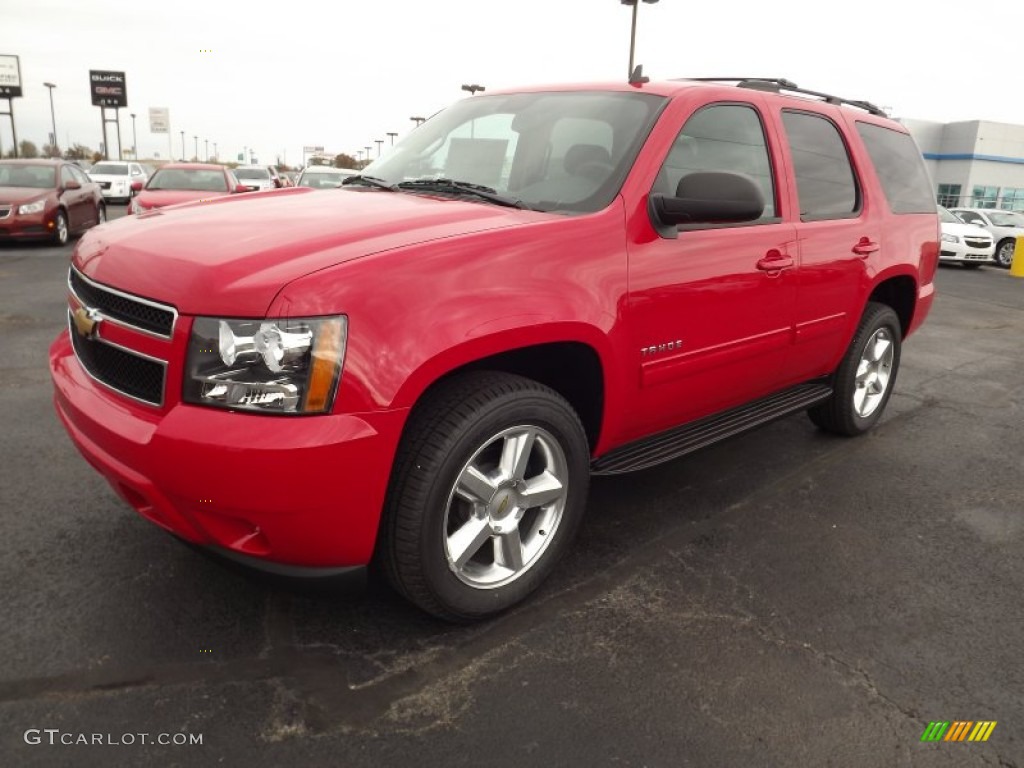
60	229
853	410
1004	253
457	537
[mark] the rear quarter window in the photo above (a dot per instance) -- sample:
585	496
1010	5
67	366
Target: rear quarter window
900	168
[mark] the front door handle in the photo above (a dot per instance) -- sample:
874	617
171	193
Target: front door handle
773	261
866	247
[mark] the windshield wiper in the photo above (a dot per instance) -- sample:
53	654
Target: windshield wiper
462	188
370	181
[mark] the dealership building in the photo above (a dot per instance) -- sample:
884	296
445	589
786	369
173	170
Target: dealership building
975	163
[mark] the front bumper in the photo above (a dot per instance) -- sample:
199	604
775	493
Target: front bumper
961	252
297	492
32	226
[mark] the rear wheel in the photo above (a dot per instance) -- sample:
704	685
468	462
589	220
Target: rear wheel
488	489
866	376
1004	253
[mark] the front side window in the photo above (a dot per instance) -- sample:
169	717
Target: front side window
66	175
721	137
563	152
825	182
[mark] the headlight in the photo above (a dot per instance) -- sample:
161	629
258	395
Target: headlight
950	238
271	366
35	207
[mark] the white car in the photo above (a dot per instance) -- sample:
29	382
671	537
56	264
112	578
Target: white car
1004	226
258	177
963	243
324	176
118	180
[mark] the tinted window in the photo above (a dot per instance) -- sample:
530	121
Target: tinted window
900	168
32	176
204	179
252	173
110	169
824	178
724	137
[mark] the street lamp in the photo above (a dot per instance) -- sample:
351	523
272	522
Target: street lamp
368	153
474	88
391	136
632	34
183	146
196	155
53	119
135	144
215	155
206	149
379	143
418	120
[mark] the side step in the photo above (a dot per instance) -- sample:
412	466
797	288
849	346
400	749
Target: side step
679	441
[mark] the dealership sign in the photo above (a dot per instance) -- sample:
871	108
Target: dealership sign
10	77
312	149
108	88
159	120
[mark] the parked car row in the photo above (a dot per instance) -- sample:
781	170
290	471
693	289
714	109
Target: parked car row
976	236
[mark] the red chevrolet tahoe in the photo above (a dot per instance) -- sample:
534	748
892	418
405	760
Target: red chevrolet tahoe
425	366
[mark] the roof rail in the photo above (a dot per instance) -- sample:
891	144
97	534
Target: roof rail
779	84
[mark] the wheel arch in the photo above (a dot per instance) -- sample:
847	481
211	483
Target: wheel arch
900	293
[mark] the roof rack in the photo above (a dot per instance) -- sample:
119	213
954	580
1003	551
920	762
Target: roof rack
779	84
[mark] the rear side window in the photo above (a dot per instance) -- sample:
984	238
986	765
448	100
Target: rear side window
721	137
825	182
900	168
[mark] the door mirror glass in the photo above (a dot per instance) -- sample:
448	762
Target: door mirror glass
708	197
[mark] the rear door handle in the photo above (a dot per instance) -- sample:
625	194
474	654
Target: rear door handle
773	261
866	247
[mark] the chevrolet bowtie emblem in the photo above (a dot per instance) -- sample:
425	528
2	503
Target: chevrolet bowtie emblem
86	321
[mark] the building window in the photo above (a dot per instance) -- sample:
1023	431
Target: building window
1012	199
986	197
949	195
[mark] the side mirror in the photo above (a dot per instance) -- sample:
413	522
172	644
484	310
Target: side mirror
707	197
136	186
277	183
239	188
72	184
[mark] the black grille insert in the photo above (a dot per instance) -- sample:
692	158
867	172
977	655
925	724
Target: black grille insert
129	311
120	370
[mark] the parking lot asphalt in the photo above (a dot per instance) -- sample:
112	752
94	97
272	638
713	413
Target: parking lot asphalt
785	598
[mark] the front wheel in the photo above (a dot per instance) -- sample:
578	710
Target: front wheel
488	490
865	377
60	229
1004	253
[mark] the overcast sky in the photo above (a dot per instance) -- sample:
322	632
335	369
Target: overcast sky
342	73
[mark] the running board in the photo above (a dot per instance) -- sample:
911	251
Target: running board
691	437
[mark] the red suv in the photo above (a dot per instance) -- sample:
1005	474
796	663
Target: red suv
425	366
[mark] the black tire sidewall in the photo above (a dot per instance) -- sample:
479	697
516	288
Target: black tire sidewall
535	408
999	251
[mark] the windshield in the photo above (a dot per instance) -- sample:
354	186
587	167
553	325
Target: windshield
188	178
252	173
948	218
111	169
554	151
32	176
321	180
1008	219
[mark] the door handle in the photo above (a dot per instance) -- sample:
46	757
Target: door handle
773	261
866	247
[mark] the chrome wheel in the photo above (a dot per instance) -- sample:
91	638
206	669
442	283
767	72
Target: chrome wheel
1004	254
60	229
873	373
505	507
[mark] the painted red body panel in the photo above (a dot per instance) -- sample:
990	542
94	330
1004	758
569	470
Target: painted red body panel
430	285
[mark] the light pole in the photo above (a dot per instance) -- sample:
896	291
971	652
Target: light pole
474	88
135	144
391	135
53	120
206	149
182	146
632	34
379	143
196	155
368	153
215	155
418	120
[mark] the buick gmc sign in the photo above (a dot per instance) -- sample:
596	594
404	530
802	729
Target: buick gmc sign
108	88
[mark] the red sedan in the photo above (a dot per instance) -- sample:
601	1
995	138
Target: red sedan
48	200
185	183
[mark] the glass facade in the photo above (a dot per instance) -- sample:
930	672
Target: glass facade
949	195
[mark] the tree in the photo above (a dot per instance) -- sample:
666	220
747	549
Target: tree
27	149
50	151
78	152
96	157
344	161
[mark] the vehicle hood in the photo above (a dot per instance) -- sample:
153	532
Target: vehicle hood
22	194
965	230
158	198
231	256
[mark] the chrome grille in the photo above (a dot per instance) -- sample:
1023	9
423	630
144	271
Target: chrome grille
146	315
977	242
141	378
